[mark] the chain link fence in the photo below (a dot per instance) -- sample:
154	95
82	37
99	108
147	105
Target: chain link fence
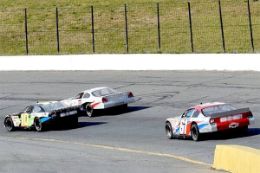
172	27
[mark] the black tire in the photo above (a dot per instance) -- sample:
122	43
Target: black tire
168	130
243	130
8	123
89	111
39	127
195	134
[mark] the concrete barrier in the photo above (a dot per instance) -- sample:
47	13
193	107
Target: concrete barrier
237	159
228	62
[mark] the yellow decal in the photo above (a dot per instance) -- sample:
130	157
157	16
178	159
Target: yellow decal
25	119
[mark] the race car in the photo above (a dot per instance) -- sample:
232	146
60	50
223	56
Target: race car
40	116
100	98
208	118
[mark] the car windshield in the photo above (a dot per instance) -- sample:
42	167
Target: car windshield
217	109
52	106
28	108
104	92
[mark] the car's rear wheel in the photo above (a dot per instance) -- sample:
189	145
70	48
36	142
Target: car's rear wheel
8	123
243	130
195	134
38	125
89	111
168	130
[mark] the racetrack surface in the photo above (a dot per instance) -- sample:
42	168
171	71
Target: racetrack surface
133	141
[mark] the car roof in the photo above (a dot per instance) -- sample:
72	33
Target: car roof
205	105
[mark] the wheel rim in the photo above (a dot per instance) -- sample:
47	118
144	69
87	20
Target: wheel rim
38	126
168	131
89	111
194	134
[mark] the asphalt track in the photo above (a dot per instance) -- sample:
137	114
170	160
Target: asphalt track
133	141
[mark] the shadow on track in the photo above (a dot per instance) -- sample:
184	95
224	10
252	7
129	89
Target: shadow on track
231	134
80	125
136	108
85	124
119	110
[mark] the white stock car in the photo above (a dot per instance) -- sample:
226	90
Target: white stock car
208	118
100	98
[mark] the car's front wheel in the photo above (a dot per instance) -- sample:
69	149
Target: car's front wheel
8	123
168	130
195	134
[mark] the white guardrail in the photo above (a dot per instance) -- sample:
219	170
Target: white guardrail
219	62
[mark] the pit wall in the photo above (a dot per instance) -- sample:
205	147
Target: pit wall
219	62
237	159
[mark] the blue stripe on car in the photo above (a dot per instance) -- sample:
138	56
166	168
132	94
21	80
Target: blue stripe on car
44	119
202	125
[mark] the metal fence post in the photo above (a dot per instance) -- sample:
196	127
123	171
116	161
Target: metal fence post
159	26
26	31
250	25
126	30
57	30
222	26
93	29
191	32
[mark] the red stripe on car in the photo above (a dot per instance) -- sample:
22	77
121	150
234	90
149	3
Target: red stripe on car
93	105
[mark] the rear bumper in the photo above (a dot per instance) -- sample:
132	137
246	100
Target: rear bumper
133	99
233	124
215	127
251	120
114	103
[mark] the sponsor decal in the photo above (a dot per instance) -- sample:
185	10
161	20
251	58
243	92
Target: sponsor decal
44	119
25	119
68	113
201	126
230	118
16	121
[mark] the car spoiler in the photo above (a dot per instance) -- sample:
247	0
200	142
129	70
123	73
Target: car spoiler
227	113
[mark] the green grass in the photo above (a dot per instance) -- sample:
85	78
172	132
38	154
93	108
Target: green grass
75	26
